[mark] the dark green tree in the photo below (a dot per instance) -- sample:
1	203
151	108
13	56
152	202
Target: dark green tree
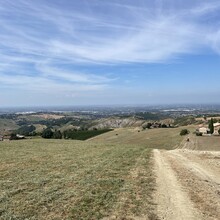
13	136
57	135
211	126
47	133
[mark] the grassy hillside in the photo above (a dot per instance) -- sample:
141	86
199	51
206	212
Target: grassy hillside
161	138
107	176
7	124
61	179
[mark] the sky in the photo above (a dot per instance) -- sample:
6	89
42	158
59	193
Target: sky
101	52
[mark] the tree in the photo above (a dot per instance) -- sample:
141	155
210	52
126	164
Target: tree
211	126
184	132
57	135
13	136
47	133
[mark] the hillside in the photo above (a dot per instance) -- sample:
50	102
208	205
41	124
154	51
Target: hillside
166	138
52	179
127	173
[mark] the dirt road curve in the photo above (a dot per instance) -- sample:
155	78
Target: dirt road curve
188	184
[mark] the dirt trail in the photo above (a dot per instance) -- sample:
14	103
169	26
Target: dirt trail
173	202
188	184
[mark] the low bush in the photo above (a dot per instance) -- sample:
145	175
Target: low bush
184	132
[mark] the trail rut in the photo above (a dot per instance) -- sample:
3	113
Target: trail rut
188	184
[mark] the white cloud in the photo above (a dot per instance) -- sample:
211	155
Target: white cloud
36	37
41	84
72	76
75	36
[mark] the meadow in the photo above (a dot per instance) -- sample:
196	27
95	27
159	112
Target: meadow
69	179
161	138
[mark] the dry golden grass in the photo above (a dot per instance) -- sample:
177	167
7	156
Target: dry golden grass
61	179
209	143
161	138
109	176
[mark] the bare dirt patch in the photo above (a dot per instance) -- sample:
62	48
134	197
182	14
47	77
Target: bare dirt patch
172	201
188	184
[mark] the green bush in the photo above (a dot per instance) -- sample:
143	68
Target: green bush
198	134
184	132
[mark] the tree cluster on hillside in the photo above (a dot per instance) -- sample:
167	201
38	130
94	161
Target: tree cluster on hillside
27	130
185	120
8	116
83	134
48	133
156	125
149	116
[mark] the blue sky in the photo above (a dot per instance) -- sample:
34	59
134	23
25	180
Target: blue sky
98	52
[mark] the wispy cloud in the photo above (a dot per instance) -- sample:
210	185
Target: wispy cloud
42	84
38	38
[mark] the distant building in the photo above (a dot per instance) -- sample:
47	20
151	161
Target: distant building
20	136
204	130
216	128
1	138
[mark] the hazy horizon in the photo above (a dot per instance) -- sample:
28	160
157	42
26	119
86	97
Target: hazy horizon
93	52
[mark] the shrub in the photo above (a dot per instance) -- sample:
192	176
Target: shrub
184	132
198	134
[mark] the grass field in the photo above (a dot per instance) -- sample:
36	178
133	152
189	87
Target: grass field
56	179
162	138
107	176
208	143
